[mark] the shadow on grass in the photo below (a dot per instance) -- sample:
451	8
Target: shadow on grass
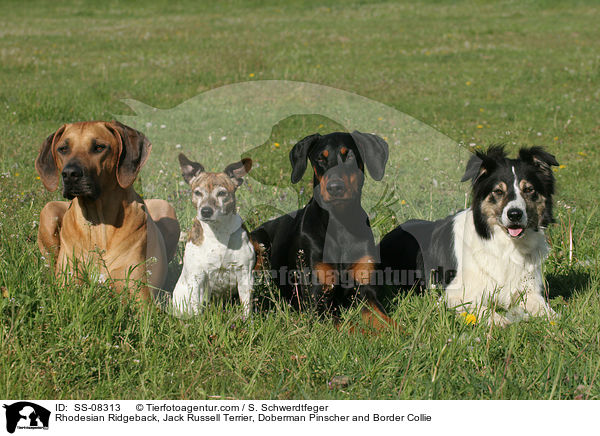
567	283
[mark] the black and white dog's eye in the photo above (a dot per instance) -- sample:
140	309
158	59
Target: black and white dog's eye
528	190
498	192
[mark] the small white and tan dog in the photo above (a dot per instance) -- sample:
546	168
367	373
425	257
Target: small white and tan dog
219	256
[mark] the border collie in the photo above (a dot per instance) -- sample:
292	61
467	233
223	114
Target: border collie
490	254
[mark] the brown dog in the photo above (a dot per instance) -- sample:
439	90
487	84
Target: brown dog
106	223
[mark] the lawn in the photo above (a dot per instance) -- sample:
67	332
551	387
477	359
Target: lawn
435	78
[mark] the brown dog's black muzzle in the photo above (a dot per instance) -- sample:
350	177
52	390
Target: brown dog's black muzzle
77	183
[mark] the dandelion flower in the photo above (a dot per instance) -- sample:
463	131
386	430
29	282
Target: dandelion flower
251	75
276	145
468	83
479	126
403	202
470	319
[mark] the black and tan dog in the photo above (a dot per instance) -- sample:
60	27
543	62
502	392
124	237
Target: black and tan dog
324	254
105	223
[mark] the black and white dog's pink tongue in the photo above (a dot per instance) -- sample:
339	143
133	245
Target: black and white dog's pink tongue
515	232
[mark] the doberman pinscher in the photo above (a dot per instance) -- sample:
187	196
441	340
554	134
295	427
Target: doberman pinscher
324	254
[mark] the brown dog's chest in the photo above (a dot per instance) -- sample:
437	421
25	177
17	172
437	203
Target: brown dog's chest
110	250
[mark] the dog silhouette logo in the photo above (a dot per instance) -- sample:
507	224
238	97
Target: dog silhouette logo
26	415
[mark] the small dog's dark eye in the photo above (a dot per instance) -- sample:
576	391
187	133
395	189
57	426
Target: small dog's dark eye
99	148
498	192
221	193
63	149
198	193
527	190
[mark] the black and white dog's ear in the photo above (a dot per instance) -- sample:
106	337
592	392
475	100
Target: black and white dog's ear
473	169
543	162
299	155
238	170
538	157
483	162
374	152
189	169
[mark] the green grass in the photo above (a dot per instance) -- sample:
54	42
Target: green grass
524	73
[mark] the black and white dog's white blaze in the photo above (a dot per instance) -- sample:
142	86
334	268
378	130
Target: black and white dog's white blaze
490	254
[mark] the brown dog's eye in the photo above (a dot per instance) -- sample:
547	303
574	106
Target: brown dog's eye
98	148
198	193
63	149
221	193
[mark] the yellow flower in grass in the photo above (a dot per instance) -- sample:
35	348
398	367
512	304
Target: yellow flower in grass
251	75
276	145
470	319
403	202
582	153
479	126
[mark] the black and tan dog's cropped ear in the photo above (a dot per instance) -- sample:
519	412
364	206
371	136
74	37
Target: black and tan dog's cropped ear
374	152
189	169
45	164
238	170
482	163
299	155
135	149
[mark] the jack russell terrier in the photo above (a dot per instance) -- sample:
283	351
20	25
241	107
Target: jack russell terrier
218	254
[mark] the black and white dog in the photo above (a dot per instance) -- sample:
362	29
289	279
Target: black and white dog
492	253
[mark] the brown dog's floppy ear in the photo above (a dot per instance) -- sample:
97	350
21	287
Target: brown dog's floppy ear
238	170
374	152
299	154
45	164
135	149
189	169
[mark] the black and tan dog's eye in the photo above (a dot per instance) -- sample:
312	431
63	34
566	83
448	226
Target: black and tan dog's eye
498	192
528	190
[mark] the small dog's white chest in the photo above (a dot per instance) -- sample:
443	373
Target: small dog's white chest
216	264
220	264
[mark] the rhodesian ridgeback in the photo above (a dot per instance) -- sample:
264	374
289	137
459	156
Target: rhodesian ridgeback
105	223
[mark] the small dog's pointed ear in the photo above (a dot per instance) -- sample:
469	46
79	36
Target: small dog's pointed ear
45	164
374	152
189	169
134	150
238	170
299	156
